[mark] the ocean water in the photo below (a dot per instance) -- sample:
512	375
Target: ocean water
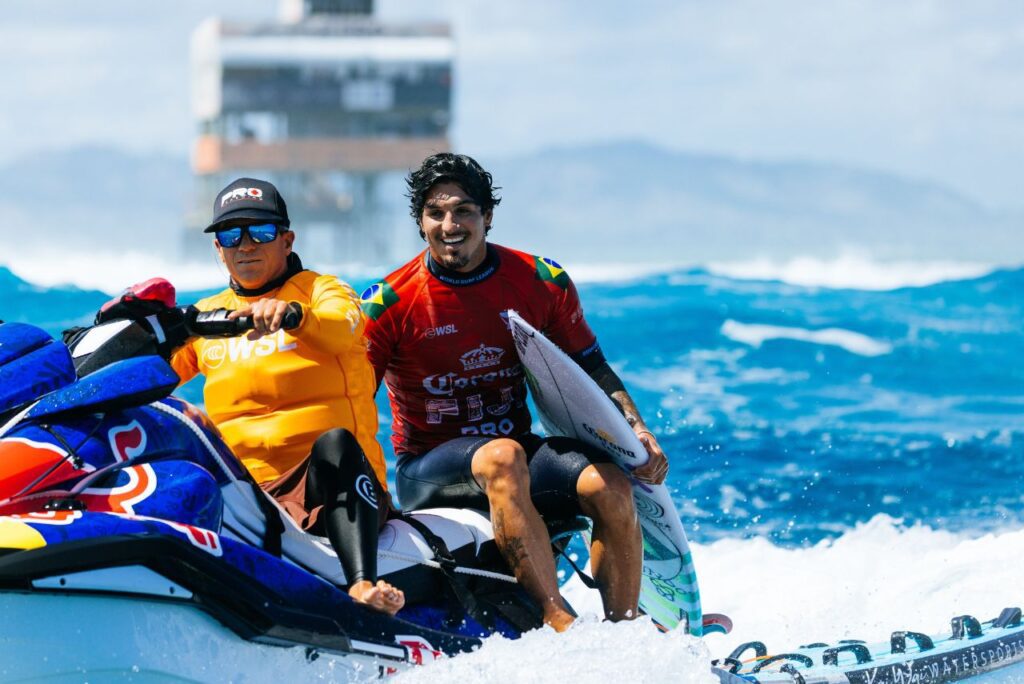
794	413
844	442
847	460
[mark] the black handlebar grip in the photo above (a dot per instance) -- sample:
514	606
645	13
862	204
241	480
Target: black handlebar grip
216	323
291	319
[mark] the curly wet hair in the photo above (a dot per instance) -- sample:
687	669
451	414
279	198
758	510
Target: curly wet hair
446	167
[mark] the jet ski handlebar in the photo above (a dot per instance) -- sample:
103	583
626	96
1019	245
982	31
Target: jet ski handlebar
151	329
216	323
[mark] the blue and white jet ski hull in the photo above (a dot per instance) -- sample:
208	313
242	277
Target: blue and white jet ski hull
82	635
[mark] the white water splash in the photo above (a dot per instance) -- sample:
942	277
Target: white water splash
112	272
613	272
756	334
851	270
875	579
590	651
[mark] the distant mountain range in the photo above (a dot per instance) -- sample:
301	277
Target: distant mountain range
635	202
622	202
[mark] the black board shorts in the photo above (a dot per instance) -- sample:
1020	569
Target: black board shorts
443	477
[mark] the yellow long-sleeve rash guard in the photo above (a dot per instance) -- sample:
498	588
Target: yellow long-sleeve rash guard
272	397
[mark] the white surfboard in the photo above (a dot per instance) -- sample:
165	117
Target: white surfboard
570	403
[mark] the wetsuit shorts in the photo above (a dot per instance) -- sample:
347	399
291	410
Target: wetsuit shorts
303	501
443	477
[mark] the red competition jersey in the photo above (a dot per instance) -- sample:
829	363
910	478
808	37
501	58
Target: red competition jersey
440	342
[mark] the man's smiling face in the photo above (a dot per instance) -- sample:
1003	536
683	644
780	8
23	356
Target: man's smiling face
454	227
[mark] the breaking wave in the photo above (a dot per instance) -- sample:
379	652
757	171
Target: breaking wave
853	342
850	271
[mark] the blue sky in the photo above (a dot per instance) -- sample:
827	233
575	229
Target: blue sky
921	88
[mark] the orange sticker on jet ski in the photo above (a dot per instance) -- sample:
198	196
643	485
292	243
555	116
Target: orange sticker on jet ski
27	466
122	498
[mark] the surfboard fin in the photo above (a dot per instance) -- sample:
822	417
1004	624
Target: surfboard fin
717	623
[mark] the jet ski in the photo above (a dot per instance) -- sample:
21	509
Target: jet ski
133	541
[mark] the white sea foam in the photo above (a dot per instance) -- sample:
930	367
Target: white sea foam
591	651
109	271
617	272
875	579
756	334
850	270
112	272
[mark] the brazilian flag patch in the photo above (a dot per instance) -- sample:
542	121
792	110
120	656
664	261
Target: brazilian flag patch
376	299
549	270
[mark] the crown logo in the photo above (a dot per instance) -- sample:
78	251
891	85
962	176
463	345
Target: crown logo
482	357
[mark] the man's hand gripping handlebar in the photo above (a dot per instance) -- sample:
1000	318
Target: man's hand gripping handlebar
220	323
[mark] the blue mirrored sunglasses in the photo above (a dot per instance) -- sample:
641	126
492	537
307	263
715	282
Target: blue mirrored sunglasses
261	234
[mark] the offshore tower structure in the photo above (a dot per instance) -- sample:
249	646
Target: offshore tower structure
332	106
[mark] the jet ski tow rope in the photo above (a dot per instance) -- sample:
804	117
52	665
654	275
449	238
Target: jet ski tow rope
274	526
184	420
488	574
447	566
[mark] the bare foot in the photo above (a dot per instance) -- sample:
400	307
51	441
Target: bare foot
559	620
381	596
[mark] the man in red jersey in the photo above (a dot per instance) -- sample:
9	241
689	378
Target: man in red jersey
461	427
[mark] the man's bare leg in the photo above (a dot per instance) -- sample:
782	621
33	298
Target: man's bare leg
380	596
616	550
500	468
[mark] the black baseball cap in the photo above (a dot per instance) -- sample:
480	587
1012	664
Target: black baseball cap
246	200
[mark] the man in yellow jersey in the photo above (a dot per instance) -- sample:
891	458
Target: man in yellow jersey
296	406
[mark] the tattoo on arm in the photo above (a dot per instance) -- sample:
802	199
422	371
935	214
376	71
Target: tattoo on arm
512	548
608	381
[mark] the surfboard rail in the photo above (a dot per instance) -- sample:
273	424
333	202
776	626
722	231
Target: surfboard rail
570	403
